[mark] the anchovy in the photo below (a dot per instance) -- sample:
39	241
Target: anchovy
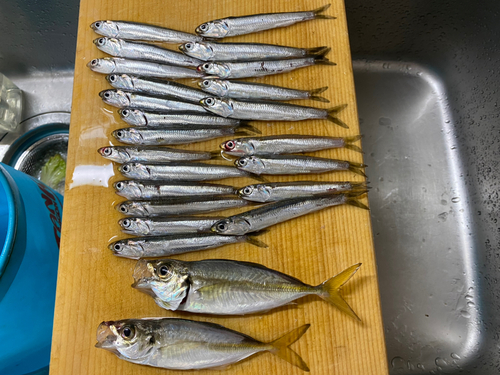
286	144
152	154
164	246
134	189
122	99
109	65
209	51
180	206
233	26
258	68
270	111
295	164
275	213
144	51
174	135
160	226
151	87
228	287
278	191
180	344
141	31
257	91
177	171
137	117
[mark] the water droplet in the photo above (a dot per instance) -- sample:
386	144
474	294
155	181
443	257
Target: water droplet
470	303
440	362
443	216
468	296
420	366
444	202
465	314
455	356
455	199
398	363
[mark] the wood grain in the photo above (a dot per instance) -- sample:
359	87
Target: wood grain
93	285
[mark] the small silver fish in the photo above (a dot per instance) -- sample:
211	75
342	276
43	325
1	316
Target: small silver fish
164	246
177	171
175	135
160	226
258	68
133	189
210	51
257	91
137	117
278	191
152	154
180	206
109	65
152	87
143	51
141	31
229	287
181	344
275	213
286	144
232	26
295	164
122	99
270	111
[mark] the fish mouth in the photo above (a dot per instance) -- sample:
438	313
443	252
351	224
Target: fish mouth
199	68
142	273
181	47
106	336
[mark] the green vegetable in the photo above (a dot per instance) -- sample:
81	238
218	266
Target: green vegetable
53	171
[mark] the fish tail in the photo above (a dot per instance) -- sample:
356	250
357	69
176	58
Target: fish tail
359	187
330	290
318	15
331	115
321	60
357	168
318	51
280	347
246	129
352	200
314	94
253	240
349	143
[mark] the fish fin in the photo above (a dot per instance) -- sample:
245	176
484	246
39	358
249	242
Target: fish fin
321	60
247	129
280	347
331	115
318	51
359	186
331	290
314	94
357	168
318	15
251	239
349	143
353	201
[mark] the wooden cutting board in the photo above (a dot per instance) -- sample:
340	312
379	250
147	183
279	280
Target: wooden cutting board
93	285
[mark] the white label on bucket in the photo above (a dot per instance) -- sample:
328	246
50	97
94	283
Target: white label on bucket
96	175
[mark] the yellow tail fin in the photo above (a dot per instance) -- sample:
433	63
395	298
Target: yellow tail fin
331	290
282	350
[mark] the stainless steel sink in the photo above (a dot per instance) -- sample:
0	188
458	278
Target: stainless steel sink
426	80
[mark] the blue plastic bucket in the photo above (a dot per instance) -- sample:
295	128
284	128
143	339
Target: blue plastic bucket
30	230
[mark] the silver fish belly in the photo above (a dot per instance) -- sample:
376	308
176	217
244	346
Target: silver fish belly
136	189
152	154
141	31
175	135
160	226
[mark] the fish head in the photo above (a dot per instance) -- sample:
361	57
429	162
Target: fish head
104	65
129	189
250	164
135	225
198	50
106	28
255	193
130	136
111	46
127	248
128	338
120	81
221	107
216	69
237	147
132	208
166	280
213	29
116	98
232	226
135	170
116	154
214	86
134	117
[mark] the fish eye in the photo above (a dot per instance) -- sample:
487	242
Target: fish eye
106	151
247	190
127	332
206	66
125	112
119	133
123	208
112	78
107	94
222	227
117	246
209	101
188	45
126	168
206	83
163	271
119	185
97	24
242	162
230	145
203	27
93	62
101	41
126	223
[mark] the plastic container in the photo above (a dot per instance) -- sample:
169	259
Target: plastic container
11	104
30	228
